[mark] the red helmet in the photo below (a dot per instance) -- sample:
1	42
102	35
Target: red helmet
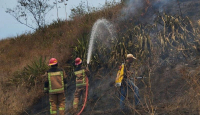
53	61
78	61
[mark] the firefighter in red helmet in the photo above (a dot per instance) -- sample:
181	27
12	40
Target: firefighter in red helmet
81	74
54	85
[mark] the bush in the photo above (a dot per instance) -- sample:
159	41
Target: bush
31	74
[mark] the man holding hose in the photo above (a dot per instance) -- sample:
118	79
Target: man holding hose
81	74
123	80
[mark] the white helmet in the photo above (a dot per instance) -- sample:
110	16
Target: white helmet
130	56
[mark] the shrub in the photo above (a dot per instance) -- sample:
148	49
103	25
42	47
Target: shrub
31	74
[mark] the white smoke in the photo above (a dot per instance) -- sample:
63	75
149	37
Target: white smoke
162	5
131	8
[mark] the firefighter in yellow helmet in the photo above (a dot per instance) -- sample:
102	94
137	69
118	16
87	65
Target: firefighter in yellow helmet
81	74
55	87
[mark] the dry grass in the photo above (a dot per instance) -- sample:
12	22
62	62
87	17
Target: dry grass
56	41
59	39
186	100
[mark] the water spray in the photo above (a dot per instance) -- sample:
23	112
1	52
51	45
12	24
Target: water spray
91	43
94	33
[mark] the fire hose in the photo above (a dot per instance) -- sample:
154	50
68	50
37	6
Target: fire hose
86	93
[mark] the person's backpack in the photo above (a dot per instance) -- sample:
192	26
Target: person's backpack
120	76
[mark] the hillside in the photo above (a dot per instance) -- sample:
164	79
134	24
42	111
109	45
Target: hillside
164	36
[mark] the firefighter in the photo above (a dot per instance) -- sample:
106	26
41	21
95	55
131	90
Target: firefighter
125	82
81	74
55	87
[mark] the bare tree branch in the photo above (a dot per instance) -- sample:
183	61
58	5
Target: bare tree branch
27	10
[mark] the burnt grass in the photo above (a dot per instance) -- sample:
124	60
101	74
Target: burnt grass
172	89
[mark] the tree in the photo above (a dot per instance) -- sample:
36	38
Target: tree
31	12
79	10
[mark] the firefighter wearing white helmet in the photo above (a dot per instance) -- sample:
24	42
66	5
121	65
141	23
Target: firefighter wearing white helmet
123	80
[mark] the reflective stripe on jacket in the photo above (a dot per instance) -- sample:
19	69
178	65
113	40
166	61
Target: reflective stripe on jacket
56	84
80	78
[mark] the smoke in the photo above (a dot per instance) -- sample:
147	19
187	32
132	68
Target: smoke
131	8
164	5
141	7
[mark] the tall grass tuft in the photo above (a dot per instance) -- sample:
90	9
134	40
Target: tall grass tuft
31	74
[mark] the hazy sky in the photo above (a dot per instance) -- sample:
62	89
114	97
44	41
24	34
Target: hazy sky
9	27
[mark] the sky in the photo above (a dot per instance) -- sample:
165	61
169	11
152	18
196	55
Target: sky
10	27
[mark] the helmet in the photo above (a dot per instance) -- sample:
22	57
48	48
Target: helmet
53	61
130	56
78	61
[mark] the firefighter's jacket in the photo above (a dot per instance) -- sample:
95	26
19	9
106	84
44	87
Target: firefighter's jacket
81	73
120	75
126	74
56	81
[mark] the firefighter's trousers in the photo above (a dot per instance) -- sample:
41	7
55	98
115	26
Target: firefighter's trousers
80	91
57	100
